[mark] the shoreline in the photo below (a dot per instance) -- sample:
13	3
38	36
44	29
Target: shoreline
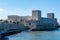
52	29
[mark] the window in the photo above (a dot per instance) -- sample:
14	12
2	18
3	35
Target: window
29	23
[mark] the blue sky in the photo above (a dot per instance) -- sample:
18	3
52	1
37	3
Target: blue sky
24	7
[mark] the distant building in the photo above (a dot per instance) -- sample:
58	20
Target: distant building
36	15
39	22
36	21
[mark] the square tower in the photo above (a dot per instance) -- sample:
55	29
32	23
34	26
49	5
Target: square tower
50	15
36	15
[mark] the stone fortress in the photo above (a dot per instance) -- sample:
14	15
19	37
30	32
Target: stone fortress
36	21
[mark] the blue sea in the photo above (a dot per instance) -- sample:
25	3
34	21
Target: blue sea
36	35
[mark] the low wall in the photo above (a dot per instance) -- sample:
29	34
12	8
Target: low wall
5	27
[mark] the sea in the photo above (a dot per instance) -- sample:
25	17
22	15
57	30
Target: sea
35	35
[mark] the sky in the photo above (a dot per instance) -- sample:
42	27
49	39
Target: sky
25	7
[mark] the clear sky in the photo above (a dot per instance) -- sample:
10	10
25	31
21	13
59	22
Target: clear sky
24	7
